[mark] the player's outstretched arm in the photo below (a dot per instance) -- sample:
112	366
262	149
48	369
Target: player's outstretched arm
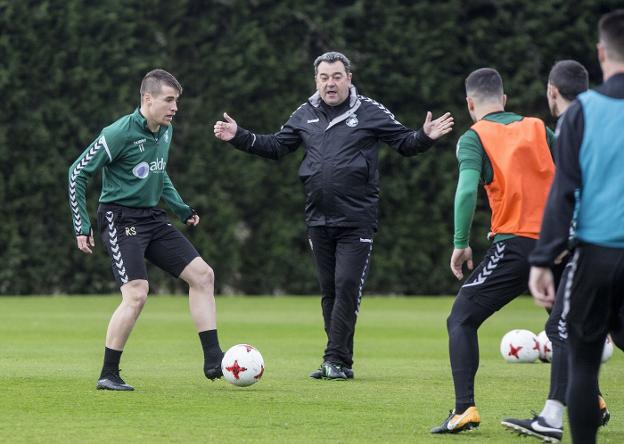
435	129
85	243
225	130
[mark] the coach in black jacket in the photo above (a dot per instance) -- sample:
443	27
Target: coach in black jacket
340	131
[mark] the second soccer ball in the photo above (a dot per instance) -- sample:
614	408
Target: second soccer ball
519	346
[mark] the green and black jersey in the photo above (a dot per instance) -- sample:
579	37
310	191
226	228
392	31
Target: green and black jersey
475	166
133	161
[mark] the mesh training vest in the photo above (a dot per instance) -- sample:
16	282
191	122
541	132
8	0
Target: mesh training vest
523	172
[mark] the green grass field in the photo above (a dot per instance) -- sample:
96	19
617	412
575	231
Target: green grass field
51	352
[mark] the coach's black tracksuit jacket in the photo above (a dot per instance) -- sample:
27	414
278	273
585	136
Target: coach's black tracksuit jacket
340	175
340	169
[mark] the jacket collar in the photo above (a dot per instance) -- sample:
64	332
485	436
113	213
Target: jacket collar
315	99
142	121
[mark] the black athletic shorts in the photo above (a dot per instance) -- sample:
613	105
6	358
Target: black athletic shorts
502	275
132	234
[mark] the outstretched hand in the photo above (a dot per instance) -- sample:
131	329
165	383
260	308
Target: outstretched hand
225	130
435	129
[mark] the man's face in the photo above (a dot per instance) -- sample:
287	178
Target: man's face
162	106
332	82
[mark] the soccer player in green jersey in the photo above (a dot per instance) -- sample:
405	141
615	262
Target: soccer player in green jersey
132	153
510	154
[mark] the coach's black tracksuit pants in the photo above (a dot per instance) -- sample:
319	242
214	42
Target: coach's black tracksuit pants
342	256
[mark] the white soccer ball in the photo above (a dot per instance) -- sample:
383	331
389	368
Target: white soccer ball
545	347
242	365
607	351
520	346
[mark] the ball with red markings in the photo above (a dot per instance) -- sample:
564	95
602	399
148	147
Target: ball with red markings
520	346
545	347
242	365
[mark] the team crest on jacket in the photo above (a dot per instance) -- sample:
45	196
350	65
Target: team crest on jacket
352	121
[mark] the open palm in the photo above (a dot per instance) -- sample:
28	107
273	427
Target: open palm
438	127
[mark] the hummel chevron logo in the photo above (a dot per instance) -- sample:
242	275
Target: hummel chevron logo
563	329
489	267
72	183
480	279
381	107
114	248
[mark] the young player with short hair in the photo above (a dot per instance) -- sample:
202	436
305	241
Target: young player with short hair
132	153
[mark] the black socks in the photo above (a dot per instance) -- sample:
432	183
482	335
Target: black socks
210	345
111	362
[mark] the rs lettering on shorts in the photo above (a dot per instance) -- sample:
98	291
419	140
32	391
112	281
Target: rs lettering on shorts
131	231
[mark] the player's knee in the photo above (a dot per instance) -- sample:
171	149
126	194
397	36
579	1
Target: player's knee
459	313
135	293
461	319
452	322
203	277
348	284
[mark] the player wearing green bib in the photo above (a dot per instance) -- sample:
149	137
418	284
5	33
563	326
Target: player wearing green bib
132	154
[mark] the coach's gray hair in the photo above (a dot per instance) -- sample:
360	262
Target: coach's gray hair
332	57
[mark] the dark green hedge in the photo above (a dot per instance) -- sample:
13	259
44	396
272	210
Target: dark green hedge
70	67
